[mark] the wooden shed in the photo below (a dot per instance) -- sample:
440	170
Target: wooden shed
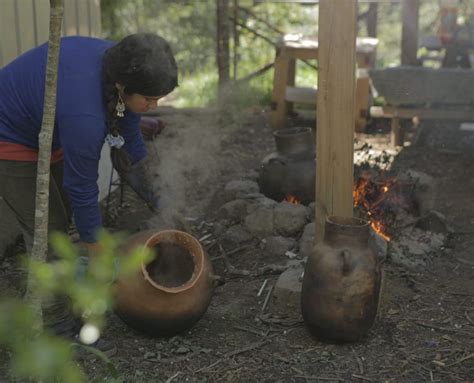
24	24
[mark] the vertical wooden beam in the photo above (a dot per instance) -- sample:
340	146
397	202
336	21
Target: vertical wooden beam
410	17
281	78
336	107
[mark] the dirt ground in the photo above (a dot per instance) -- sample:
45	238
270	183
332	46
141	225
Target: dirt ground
425	326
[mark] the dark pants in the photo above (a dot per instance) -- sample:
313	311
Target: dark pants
18	190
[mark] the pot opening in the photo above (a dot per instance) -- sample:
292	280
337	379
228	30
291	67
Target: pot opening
173	265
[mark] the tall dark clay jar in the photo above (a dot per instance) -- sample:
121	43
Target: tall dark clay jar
291	170
341	283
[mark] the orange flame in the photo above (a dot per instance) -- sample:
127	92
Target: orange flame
292	199
370	196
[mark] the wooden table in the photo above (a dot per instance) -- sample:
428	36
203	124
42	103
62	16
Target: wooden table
285	94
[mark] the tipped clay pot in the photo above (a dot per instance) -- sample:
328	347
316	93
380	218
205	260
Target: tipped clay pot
171	293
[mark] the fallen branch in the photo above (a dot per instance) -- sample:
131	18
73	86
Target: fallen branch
247	273
170	379
250	347
361	377
267	298
469	318
463	359
426	325
250	330
306	377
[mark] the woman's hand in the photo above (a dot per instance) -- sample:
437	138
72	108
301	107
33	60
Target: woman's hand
151	127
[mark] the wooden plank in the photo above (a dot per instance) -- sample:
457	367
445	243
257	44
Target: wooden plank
25	20
335	117
303	95
396	133
453	114
410	17
70	18
42	20
280	82
94	17
83	22
8	47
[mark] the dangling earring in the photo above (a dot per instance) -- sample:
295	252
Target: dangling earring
120	107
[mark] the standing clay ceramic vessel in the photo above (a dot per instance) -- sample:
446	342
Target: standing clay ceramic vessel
291	169
170	294
341	283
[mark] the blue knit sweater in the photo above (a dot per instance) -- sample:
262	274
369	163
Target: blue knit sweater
80	126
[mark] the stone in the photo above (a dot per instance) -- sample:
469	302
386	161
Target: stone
220	227
435	222
286	297
312	207
260	222
278	245
252	175
415	248
260	201
289	219
234	210
236	235
424	192
307	240
240	189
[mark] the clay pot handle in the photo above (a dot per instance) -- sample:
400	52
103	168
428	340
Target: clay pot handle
346	262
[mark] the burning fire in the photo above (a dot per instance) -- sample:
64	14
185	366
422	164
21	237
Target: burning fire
373	197
292	199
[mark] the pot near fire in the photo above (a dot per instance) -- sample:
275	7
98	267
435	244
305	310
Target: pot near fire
171	293
341	283
291	170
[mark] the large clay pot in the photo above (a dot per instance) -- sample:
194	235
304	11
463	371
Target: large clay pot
291	170
341	283
170	294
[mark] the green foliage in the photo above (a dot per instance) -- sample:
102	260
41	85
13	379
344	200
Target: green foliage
190	27
49	358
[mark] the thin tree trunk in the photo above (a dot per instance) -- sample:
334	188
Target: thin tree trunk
40	243
223	62
236	36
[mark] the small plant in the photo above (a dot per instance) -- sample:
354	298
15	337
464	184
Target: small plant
88	284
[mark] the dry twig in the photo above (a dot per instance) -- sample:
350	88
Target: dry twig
247	273
267	298
170	379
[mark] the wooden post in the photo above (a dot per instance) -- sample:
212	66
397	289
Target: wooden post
410	16
281	79
336	106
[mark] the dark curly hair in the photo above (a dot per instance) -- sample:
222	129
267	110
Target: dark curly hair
143	63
